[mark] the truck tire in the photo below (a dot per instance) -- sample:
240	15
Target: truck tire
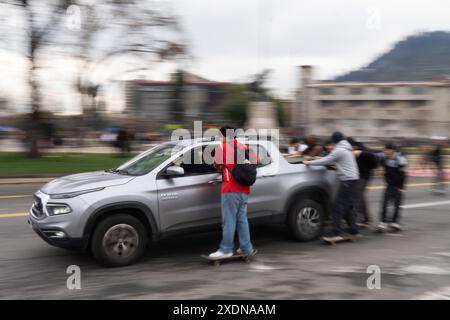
306	220
119	240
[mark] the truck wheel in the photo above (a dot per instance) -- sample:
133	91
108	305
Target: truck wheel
119	240
305	220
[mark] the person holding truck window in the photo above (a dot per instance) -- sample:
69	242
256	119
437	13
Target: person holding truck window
234	196
347	170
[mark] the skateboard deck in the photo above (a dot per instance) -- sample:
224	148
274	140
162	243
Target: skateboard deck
387	230
345	238
235	256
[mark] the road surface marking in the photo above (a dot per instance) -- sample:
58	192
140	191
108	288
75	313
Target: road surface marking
425	204
423	184
11	215
12	197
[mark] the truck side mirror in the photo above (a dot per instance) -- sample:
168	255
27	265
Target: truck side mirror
174	171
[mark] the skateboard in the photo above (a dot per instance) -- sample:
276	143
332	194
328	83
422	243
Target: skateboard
236	256
345	238
388	229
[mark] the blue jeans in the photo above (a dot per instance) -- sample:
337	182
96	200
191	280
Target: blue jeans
234	213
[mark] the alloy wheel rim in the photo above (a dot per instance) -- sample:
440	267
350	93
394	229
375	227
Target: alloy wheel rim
308	220
120	241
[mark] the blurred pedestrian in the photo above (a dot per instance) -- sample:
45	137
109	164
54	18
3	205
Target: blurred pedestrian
313	149
394	165
328	147
436	159
367	162
347	171
296	147
123	143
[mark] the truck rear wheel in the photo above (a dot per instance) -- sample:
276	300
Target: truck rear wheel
119	240
306	220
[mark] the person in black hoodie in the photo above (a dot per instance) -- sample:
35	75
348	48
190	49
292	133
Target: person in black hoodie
367	162
436	158
394	165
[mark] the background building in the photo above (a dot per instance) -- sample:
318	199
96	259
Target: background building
375	109
200	99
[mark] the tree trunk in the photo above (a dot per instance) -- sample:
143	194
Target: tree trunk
35	117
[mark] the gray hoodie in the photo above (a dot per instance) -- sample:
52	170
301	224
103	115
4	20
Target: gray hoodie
344	160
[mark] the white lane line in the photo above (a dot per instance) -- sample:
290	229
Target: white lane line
425	204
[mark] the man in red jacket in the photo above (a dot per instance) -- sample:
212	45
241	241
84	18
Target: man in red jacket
234	199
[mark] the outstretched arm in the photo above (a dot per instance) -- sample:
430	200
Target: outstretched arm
329	159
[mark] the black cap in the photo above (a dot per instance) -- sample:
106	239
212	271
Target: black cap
224	129
337	137
390	146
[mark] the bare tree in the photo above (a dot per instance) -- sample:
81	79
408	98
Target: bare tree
39	25
138	29
108	29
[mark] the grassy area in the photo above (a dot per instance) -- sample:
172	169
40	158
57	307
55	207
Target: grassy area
16	164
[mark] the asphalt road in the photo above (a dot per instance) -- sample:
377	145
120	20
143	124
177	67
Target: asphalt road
414	263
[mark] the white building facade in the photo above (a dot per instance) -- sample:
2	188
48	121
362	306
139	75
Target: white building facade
382	110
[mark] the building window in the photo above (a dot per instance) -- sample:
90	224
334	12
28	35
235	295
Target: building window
356	90
326	91
326	103
356	103
385	103
419	90
418	103
386	90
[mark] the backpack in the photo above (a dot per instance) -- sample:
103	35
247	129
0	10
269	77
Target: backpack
244	172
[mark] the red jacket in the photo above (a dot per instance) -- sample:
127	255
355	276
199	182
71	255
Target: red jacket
224	155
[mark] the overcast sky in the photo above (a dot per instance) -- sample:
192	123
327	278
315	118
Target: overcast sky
233	39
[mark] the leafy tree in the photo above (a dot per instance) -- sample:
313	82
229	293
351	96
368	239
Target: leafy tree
177	99
280	112
236	101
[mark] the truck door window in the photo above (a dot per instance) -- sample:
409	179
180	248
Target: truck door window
193	162
263	156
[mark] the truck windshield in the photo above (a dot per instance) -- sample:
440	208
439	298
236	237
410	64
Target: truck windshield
149	160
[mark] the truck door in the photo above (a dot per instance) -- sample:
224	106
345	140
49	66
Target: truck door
193	199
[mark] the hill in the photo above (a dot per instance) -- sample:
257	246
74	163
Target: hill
419	57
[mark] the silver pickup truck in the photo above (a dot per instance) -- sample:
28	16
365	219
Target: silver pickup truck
115	213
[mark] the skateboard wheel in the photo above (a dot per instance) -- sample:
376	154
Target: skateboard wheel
216	263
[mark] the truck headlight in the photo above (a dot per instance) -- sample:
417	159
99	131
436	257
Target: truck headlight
72	194
56	209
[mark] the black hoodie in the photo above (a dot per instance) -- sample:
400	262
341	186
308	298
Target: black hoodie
394	169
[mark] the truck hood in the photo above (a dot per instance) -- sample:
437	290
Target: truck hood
85	181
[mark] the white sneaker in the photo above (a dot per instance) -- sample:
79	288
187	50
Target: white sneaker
395	226
382	226
220	255
239	251
333	239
